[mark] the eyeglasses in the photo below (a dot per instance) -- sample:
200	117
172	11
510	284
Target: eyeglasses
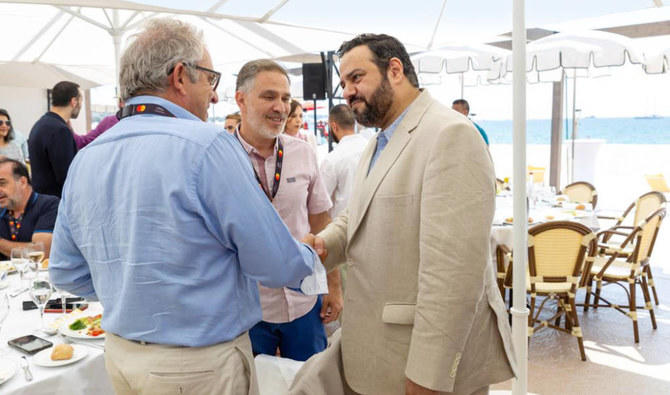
213	76
8	123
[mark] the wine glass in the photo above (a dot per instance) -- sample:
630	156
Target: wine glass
40	292
35	254
19	261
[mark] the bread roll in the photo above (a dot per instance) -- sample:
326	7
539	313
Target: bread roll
62	352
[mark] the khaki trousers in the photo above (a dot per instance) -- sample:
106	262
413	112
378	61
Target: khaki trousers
225	368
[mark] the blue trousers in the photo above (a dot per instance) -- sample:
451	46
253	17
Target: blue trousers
298	339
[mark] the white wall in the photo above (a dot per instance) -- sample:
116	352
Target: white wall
27	105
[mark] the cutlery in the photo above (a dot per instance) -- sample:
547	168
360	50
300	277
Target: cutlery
94	345
18	292
26	368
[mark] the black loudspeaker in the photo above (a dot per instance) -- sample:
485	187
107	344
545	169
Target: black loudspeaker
313	81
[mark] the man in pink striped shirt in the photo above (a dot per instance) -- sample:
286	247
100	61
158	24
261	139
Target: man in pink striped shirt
286	168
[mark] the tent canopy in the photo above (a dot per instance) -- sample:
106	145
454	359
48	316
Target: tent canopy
88	33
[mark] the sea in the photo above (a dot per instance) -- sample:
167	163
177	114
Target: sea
642	130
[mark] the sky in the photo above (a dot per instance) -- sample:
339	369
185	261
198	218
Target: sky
626	92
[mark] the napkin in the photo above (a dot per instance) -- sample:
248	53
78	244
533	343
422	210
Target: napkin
316	283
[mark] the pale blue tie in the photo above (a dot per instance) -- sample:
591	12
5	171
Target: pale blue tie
381	143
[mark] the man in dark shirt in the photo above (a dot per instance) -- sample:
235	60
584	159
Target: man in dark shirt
51	145
25	215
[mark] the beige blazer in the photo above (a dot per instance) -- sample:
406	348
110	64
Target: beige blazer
421	298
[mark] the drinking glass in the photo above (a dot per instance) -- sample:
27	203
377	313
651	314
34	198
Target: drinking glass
35	255
40	292
19	261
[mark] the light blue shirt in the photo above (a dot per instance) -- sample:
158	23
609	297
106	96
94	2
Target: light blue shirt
384	137
162	220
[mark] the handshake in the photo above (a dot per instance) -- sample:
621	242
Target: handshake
317	243
316	283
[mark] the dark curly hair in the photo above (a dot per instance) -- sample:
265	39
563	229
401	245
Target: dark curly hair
10	135
383	47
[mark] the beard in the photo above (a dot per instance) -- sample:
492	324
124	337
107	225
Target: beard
376	108
75	112
266	131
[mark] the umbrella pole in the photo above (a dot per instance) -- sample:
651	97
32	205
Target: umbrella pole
574	125
519	310
116	37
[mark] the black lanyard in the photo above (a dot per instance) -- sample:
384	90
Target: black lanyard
278	165
144	108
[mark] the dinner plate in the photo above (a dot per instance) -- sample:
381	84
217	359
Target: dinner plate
7	370
78	334
507	222
43	358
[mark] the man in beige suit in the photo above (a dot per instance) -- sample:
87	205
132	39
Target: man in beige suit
422	313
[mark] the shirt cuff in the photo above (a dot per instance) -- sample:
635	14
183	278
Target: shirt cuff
308	255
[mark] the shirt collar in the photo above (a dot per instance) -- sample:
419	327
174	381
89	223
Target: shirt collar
176	110
250	148
31	200
388	132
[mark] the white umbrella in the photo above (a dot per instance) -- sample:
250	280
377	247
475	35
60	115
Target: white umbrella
658	63
582	51
579	50
462	59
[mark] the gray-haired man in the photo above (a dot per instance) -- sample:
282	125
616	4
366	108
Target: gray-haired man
171	232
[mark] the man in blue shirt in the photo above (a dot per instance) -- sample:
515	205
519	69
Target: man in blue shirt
25	216
162	220
462	106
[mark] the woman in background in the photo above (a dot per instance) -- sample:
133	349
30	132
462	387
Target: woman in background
294	124
7	146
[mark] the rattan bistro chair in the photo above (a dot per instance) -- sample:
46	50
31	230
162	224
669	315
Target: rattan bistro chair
630	268
636	212
582	192
559	252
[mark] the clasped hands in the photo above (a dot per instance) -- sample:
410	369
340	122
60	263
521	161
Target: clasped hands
332	301
317	243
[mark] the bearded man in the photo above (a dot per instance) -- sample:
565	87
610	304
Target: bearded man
422	314
51	145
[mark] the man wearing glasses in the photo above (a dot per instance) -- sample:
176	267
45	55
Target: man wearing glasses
172	233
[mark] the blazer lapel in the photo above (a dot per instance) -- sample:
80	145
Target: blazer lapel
366	187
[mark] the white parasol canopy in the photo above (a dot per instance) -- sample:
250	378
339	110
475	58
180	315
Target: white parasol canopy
580	50
657	63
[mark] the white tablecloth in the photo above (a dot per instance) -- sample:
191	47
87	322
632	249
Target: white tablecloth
503	233
89	376
84	377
